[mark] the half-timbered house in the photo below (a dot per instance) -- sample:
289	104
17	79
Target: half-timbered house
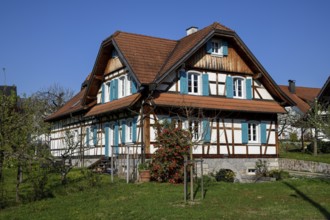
208	82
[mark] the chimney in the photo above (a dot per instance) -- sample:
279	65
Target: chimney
292	86
191	30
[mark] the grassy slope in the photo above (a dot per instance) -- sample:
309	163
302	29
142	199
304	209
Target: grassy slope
290	199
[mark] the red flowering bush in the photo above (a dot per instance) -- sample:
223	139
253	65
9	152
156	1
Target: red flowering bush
167	162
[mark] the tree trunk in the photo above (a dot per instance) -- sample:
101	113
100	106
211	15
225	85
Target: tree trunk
18	181
2	158
302	140
191	175
315	143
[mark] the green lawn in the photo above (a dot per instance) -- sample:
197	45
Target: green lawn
323	158
293	151
288	199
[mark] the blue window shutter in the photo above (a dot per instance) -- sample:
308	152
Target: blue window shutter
123	132
263	133
248	83
134	130
133	86
245	135
103	93
87	136
183	82
205	80
115	89
224	48
206	131
110	90
229	87
106	140
95	135
209	46
116	138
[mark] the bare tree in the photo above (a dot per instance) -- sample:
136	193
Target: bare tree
53	97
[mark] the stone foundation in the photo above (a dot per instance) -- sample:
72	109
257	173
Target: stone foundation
239	165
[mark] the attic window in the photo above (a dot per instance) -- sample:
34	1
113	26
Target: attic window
114	53
217	47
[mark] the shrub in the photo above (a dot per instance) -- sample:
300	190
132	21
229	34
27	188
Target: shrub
261	168
225	175
322	147
279	174
168	162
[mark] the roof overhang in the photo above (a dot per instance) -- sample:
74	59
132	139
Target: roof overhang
216	103
113	106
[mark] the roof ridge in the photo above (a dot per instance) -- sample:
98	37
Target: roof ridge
306	87
142	35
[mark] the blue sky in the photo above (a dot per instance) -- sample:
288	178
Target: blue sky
43	42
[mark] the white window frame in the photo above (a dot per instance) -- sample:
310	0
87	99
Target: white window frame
107	92
187	125
122	87
199	82
111	135
128	85
75	136
253	134
235	87
129	130
216	48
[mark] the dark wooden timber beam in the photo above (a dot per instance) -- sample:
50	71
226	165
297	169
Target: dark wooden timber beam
98	77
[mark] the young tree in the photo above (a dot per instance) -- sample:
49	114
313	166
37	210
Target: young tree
314	120
8	106
71	144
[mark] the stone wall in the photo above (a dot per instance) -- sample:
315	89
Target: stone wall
240	166
303	166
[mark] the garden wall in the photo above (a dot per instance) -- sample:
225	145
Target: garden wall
304	166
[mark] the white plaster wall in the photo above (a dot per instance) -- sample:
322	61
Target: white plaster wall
240	150
223	149
254	149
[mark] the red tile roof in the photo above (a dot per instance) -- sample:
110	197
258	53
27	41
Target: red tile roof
115	105
145	55
303	96
206	102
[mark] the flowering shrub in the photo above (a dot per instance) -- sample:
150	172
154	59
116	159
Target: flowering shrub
167	162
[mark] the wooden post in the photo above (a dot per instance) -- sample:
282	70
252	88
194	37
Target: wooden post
202	181
185	178
127	165
112	163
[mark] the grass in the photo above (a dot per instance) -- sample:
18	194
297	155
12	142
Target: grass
288	199
293	151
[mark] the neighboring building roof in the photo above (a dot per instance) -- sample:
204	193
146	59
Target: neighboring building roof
302	97
324	94
207	102
72	106
115	105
